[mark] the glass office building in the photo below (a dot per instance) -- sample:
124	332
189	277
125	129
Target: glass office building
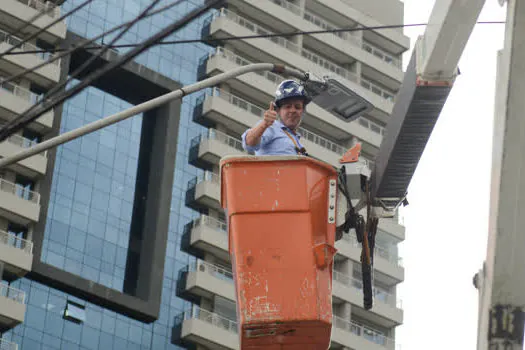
90	264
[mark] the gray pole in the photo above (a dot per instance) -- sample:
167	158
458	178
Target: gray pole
148	105
502	280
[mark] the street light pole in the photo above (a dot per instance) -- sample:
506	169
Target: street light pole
148	105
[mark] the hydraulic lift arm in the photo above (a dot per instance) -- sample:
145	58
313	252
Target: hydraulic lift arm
428	80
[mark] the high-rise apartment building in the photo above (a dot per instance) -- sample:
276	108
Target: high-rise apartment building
117	239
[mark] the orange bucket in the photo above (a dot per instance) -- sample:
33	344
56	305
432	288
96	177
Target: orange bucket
281	224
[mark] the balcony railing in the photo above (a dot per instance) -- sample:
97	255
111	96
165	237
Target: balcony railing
323	24
326	25
355	328
49	8
13	40
289	6
211	318
213	134
7	345
366	46
206	176
379	294
378	250
329	65
20	92
19	191
240	61
321	141
367	333
222	273
16	242
251	26
367	84
17	295
259	112
381	54
23	142
274	78
210	222
372	126
322	62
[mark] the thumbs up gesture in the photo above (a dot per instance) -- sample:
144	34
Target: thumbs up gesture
270	115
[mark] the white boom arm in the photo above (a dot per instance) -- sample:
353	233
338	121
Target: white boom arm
427	83
449	27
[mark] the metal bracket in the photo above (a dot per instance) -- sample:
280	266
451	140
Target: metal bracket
332	190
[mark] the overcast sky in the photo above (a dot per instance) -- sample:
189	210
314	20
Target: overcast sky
447	219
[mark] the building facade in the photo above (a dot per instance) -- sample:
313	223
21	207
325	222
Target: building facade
117	240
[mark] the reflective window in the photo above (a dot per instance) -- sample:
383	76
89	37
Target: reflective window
89	214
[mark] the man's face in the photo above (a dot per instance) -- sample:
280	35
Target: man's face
291	112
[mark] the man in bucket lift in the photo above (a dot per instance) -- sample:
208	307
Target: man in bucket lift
278	136
272	136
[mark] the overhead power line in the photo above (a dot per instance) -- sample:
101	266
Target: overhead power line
45	28
27	118
83	44
77	72
103	49
256	36
32	20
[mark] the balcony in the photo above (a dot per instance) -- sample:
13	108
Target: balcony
220	107
204	192
205	328
30	167
352	335
15	100
216	332
45	76
394	228
207	235
226	24
208	149
217	106
16	13
12	307
342	12
16	253
18	204
206	280
389	265
339	46
7	345
386	310
251	84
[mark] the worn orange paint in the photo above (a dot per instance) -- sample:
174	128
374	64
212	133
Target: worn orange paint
282	247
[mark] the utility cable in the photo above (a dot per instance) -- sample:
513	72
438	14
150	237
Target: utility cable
104	49
32	20
261	36
27	118
79	70
84	44
34	35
